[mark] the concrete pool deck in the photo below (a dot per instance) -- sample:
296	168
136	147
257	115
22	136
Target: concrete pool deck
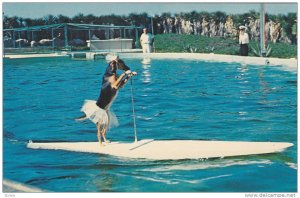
17	56
287	64
16	187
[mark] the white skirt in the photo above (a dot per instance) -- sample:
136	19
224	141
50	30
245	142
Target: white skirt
96	114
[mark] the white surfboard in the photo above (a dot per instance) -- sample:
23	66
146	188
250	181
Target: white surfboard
169	149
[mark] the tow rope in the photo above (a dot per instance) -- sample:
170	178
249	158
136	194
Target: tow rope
133	112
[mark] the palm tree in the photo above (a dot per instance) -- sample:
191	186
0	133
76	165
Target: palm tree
115	19
238	20
99	20
14	22
204	15
194	15
287	21
138	19
220	17
63	19
28	22
90	19
50	19
38	21
79	18
253	14
6	22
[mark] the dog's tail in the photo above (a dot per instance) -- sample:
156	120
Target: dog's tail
81	118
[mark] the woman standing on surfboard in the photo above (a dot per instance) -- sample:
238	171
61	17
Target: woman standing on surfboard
98	111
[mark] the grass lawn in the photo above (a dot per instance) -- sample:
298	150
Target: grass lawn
217	45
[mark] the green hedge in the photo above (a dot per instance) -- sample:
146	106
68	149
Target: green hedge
202	44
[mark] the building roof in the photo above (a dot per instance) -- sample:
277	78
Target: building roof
72	26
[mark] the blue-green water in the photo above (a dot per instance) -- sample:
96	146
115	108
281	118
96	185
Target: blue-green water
174	99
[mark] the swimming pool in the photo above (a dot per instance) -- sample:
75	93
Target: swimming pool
174	99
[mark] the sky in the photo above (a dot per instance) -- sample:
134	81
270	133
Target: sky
70	9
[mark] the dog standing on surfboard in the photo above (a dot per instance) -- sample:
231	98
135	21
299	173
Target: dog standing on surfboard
99	111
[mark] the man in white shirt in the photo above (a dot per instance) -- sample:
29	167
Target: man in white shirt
243	41
146	40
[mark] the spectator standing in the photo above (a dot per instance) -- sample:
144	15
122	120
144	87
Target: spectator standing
146	41
243	41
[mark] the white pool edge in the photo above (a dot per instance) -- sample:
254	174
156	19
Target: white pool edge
287	64
9	186
51	55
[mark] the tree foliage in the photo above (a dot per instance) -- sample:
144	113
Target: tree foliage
144	20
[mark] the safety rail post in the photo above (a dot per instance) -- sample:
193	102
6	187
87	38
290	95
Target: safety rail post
262	30
137	42
52	35
19	39
90	38
66	35
14	39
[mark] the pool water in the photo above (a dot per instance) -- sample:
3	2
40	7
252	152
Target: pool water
174	99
